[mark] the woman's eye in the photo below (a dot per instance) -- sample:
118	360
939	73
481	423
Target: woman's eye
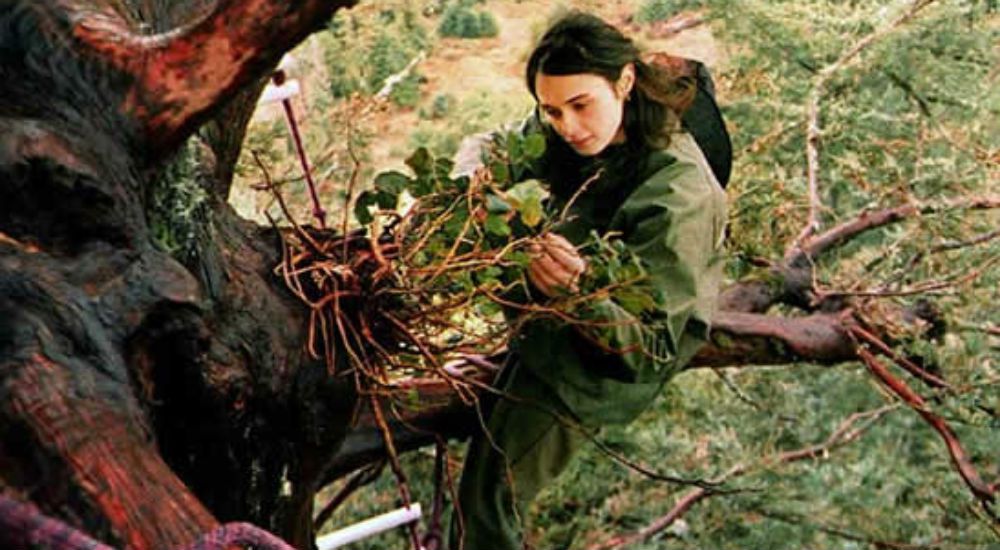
578	107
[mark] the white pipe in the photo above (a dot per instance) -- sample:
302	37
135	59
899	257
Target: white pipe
274	93
369	527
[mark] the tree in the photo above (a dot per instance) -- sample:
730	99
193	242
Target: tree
147	394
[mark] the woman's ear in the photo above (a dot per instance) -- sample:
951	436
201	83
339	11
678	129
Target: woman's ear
626	81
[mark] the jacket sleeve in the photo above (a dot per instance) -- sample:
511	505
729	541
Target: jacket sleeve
674	224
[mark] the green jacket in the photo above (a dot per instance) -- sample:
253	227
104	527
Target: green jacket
673	220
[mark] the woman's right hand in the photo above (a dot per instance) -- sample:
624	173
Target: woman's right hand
555	266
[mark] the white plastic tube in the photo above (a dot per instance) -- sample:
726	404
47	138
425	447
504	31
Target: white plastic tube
274	93
369	527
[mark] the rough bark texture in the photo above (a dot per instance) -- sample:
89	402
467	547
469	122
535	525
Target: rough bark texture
144	395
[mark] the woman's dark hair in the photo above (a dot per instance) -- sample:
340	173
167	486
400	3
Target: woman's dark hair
582	43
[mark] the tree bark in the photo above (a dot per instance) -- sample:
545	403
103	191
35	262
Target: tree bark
145	396
124	370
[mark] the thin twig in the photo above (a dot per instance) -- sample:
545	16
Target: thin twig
844	434
873	219
580	191
350	186
813	129
954	280
908	365
976	240
364	477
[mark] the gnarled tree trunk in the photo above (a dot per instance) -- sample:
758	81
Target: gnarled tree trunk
146	396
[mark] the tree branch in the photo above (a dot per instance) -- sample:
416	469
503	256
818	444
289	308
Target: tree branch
738	339
744	339
844	434
182	76
873	219
982	491
813	130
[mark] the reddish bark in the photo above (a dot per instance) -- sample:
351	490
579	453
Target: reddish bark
144	395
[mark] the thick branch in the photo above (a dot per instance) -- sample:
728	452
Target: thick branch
742	339
739	339
182	76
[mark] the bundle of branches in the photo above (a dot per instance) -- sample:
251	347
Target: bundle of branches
426	283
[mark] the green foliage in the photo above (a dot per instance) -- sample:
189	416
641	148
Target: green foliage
442	105
386	45
439	142
658	10
407	92
913	119
178	208
461	22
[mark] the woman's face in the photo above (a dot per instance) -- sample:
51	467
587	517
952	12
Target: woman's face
585	109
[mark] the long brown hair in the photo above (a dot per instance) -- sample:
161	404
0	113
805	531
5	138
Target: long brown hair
579	42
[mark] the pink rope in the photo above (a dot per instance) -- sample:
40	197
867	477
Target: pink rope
24	526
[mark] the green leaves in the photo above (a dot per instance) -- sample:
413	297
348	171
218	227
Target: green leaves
497	225
534	146
385	195
526	198
421	162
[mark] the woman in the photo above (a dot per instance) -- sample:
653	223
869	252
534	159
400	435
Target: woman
604	112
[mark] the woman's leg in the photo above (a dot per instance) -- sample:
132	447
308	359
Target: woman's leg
528	445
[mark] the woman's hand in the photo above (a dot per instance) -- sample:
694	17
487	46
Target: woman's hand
555	266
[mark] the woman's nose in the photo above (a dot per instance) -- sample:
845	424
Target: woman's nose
569	128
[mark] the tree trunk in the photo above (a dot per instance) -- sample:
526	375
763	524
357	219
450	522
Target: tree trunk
147	396
153	377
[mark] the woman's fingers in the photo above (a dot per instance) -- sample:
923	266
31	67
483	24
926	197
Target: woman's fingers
542	280
563	252
549	274
568	258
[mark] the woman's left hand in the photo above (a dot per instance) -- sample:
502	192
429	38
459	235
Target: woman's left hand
556	266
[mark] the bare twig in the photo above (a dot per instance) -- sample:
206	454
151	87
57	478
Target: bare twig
910	366
954	280
351	183
976	240
844	434
873	219
365	476
813	129
576	195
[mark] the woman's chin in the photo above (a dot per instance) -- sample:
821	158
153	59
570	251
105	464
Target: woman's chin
587	148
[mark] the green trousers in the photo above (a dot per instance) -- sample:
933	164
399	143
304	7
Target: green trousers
526	444
531	438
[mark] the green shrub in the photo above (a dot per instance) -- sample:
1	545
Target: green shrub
488	25
461	22
442	105
385	59
361	53
658	10
407	92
